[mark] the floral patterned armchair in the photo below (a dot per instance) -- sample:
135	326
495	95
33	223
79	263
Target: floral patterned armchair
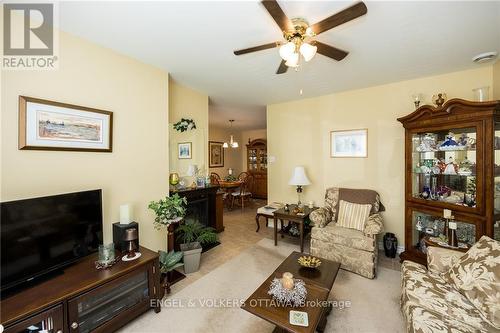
457	293
357	251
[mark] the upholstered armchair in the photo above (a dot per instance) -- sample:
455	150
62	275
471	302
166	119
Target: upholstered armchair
356	250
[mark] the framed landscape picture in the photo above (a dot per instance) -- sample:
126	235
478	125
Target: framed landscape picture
184	150
216	157
48	125
350	143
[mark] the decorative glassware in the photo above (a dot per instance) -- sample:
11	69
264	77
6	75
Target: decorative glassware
174	178
106	254
481	94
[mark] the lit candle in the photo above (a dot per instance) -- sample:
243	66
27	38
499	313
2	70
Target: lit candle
125	214
287	280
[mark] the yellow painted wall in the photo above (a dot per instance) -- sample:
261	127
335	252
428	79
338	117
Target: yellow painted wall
245	136
232	156
185	102
135	172
496	80
299	134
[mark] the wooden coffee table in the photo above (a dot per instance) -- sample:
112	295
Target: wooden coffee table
319	283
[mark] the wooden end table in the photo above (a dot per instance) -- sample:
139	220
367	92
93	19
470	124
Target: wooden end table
319	283
283	215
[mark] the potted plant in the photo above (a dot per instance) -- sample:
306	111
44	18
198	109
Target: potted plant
168	262
168	210
193	235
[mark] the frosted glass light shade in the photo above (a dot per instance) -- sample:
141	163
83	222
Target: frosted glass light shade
293	61
299	177
308	51
287	50
192	170
234	145
225	145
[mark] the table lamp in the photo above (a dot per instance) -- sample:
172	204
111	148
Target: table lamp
131	237
299	179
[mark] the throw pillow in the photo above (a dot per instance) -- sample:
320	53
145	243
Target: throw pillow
353	215
477	276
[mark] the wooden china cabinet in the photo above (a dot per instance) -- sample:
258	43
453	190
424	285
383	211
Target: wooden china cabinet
257	167
452	162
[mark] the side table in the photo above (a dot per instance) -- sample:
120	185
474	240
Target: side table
283	215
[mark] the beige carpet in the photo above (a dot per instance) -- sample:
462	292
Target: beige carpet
210	304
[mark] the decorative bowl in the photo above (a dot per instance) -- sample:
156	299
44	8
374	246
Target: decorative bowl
309	262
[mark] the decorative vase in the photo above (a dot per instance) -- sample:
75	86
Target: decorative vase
174	178
390	245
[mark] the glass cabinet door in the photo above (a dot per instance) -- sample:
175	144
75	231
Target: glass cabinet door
496	187
444	167
252	159
428	228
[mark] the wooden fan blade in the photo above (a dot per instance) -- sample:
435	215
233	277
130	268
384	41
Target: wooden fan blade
282	68
341	17
330	51
256	48
278	15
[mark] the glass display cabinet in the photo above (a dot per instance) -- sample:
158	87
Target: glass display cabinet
257	167
452	163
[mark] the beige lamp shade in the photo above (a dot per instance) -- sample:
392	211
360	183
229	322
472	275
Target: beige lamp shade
299	177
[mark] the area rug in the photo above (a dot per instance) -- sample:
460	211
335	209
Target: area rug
211	304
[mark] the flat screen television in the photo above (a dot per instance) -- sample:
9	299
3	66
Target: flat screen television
43	235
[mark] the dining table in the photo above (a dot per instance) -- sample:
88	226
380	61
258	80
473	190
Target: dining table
229	186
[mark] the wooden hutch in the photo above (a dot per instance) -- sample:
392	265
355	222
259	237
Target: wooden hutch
452	162
257	167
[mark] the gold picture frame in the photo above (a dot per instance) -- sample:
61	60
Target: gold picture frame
216	154
49	125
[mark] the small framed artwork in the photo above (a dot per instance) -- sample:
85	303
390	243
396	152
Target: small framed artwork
216	157
349	143
184	150
48	125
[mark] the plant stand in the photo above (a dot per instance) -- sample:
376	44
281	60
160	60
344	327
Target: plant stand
170	278
174	276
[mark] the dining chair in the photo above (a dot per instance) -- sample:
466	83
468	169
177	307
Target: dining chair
214	178
244	191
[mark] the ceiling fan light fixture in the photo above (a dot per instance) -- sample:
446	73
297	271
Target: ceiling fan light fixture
287	50
308	51
293	61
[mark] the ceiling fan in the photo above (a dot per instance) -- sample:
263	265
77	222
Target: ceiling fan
299	35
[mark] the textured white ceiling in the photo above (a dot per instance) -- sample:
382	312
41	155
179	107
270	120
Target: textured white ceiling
194	42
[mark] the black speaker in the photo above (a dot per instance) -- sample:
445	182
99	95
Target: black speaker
119	235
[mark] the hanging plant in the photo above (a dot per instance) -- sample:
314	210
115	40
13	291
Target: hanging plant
184	125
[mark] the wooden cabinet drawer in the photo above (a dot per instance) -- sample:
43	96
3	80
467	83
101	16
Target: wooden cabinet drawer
51	320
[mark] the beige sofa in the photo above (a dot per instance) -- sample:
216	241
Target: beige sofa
432	302
357	251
